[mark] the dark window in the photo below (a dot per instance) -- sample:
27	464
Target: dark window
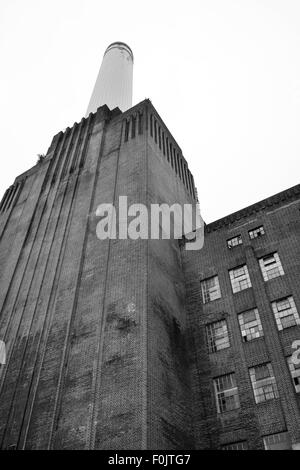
226	393
217	336
256	232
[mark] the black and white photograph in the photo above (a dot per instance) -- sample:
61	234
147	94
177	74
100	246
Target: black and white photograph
150	229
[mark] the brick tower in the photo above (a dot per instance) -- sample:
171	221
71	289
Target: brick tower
95	330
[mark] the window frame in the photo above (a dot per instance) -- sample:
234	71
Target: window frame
277	269
235	283
243	329
266	384
236	445
206	292
224	393
279	316
295	373
212	338
232	245
253	233
273	436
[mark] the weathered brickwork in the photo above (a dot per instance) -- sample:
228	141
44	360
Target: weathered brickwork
280	217
95	330
106	341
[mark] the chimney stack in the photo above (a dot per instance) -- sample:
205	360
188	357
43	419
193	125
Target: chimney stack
113	86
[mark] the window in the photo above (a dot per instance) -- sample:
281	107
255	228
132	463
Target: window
263	383
210	289
240	279
235	241
270	266
217	336
279	441
285	312
256	232
295	373
236	446
226	393
250	325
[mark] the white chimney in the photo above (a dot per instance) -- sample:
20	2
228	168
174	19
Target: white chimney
113	86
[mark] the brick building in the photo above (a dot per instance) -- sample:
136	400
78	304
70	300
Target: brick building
243	304
140	344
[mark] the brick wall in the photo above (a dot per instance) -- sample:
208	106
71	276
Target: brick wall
280	217
95	330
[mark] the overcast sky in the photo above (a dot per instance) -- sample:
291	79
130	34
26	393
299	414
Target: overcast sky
223	74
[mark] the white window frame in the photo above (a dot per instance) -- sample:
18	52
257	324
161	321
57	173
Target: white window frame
273	440
240	279
265	388
226	393
250	329
217	336
241	445
234	241
209	294
271	266
295	373
283	310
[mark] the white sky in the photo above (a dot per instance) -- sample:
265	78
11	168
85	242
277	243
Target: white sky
223	74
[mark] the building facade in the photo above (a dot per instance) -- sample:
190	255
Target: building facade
141	344
243	308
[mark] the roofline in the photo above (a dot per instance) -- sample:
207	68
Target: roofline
292	193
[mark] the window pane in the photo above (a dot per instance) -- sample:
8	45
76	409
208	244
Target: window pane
240	279
285	312
235	241
210	289
295	374
271	267
217	336
263	383
226	392
279	441
257	232
236	446
250	325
